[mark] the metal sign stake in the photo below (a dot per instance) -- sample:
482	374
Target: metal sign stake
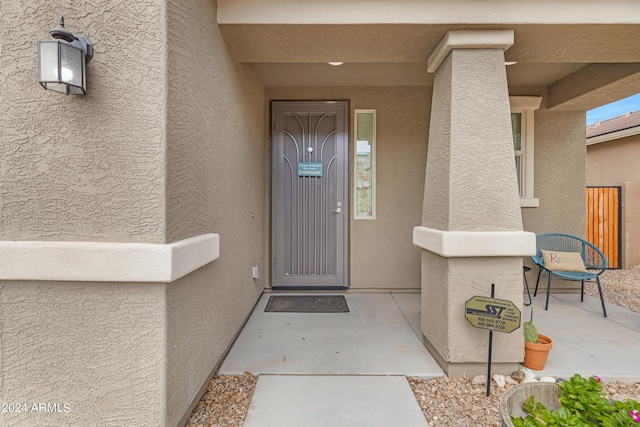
492	314
493	288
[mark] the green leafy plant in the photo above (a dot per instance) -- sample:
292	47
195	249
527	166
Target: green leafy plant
530	330
581	404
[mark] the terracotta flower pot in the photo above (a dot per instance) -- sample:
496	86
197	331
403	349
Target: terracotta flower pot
535	354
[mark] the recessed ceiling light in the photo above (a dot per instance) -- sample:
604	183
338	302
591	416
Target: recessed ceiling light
335	63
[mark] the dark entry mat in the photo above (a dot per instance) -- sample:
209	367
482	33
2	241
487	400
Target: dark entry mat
307	304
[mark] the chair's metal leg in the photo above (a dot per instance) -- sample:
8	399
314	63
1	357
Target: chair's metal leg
604	310
526	284
548	290
582	291
535	292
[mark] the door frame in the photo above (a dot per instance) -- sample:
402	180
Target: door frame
346	186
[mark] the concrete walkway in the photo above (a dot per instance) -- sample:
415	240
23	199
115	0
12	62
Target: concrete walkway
350	368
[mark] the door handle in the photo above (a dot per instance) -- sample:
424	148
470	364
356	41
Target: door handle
337	210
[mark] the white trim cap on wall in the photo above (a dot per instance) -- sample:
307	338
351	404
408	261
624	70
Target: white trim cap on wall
469	39
450	244
106	261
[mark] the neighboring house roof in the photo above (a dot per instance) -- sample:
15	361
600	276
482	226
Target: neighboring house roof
615	128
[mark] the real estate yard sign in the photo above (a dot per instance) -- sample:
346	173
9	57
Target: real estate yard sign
492	314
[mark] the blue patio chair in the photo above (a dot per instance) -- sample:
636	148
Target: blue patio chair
594	261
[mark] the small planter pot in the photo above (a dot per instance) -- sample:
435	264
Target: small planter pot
511	401
535	354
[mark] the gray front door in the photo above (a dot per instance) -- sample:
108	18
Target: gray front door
310	200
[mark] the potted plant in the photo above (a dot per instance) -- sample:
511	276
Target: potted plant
575	402
536	346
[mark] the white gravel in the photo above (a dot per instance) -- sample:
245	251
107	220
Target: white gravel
444	401
620	287
225	403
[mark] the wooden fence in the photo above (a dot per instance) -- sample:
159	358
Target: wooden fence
604	220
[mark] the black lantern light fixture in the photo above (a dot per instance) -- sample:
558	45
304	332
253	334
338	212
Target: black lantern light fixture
62	63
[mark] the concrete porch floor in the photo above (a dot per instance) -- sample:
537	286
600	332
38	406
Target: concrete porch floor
322	369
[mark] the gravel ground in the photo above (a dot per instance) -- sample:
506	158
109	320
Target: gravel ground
620	287
457	402
444	401
225	402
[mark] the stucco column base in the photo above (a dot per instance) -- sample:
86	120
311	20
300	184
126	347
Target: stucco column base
469	369
447	284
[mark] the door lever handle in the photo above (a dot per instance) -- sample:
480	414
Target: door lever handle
337	210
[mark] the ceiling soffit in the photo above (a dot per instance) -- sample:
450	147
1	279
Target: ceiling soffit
387	43
549	57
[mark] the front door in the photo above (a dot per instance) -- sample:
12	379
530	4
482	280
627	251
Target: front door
310	200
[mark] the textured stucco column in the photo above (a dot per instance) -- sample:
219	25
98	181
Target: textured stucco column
471	232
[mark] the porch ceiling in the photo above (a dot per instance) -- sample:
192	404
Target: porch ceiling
550	58
393	74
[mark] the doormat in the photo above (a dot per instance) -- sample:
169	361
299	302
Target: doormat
307	304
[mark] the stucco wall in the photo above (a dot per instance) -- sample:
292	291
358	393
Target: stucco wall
83	167
560	157
381	252
168	143
631	224
216	160
59	343
613	162
86	168
204	314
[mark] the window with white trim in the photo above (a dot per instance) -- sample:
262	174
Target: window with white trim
522	124
516	128
365	165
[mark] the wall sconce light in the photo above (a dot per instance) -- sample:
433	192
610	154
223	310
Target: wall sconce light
62	63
